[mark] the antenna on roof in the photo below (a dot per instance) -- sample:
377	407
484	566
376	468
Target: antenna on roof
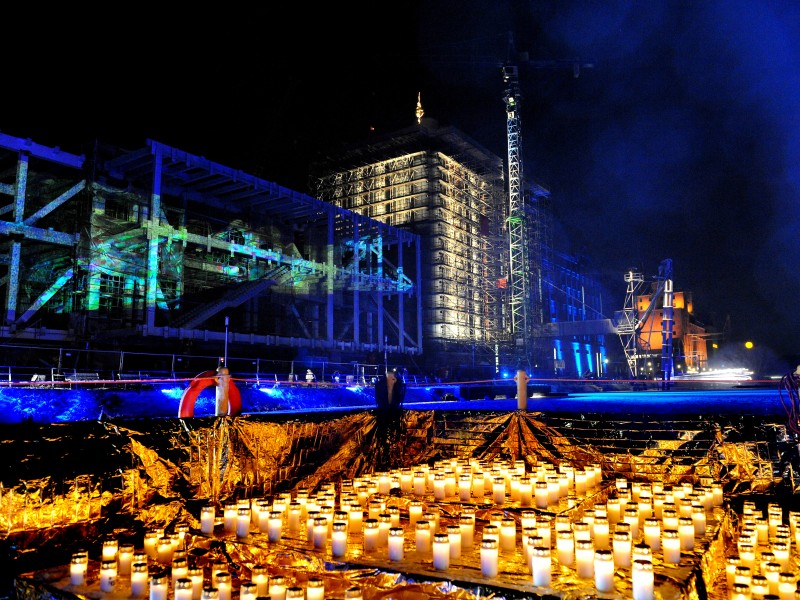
420	112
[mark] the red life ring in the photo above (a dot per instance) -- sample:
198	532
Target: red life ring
201	382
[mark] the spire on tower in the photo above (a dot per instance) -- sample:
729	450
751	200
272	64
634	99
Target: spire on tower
420	112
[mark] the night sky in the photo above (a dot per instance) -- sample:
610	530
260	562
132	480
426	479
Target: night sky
681	142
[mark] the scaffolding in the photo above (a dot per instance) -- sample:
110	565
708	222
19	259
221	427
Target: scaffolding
161	244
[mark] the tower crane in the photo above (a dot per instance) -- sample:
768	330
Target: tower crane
522	272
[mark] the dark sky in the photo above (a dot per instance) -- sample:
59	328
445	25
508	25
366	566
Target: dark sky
681	142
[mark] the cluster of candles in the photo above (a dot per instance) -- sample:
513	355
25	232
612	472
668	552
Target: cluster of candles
762	564
636	521
124	568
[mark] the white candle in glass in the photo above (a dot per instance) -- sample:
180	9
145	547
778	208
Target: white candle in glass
183	589
353	593
580	482
139	578
543	529
396	543
489	557
541	566
553	489
179	569
467	527
499	490
229	515
165	550
601	533
108	575
652	533
110	549
151	538
759	586
370	535
242	522
248	591
782	551
613	509
394	513
339	539
584	559
465	486
716	494
631	517
419	483
260	576
642	580
384	524
439	493
207	517
454	533
355	518
159	586
621	546
671	546
441	551
669	518
224	585
508	534
565	547
277	587
604	570
315	588
320	531
195	576
686	533
125	559
581	530
209	593
423	535
478	485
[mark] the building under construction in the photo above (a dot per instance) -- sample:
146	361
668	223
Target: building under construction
161	249
438	183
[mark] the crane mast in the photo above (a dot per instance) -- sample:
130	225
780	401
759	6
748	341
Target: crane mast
519	277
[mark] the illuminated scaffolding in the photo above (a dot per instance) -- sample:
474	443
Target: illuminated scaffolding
441	185
161	243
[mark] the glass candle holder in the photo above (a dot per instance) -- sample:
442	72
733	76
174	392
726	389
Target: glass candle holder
339	539
541	566
125	559
79	565
396	543
423	536
584	559
441	551
277	587
621	546
686	533
565	548
489	557
604	570
183	589
643	582
139	579
370	535
260	576
108	575
671	546
159	586
454	534
315	588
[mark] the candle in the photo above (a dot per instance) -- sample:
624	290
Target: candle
196	577
465	486
395	543
110	549
165	550
151	538
508	534
353	593
671	545
320	532
159	587
759	586
179	569
414	512
371	535
315	588
581	530
782	553
631	516
423	536
439	487
742	591
419	483
295	516
229	515
78	567
139	577
643	581
621	546
652	533
209	593
499	490
604	570
699	519
339	539
584	559
260	576
277	587
686	532
248	591
355	518
295	593
183	589
543	526
489	557
565	547
108	575
441	551
454	534
601	533
541	566
384	524
478	485
540	494
742	574
394	513
716	494
224	584
467	526
613	508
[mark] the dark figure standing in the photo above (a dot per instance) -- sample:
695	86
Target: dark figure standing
390	391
